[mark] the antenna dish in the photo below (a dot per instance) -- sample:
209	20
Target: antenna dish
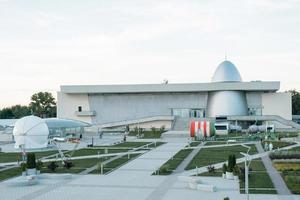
31	132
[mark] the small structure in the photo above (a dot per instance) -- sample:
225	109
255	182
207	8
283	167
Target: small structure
31	132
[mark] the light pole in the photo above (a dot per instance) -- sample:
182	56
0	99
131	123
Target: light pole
246	155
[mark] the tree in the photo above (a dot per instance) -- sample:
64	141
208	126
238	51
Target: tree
6	113
20	111
43	105
15	112
295	102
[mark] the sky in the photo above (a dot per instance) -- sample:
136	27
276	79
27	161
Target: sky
45	44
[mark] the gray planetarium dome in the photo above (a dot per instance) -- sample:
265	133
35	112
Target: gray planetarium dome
226	72
226	102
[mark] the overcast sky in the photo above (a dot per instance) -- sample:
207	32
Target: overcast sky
45	44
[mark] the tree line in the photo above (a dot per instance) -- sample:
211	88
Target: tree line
42	104
295	102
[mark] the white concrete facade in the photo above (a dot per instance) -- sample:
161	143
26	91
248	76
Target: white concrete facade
67	106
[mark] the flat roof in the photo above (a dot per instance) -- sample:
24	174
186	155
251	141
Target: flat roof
269	86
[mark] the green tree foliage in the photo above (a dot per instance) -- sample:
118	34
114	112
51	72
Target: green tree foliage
14	112
31	163
295	102
43	105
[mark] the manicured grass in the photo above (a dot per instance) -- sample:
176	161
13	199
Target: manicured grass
292	179
287	166
291	174
114	164
79	165
216	173
94	151
9	173
288	134
259	180
168	167
13	157
209	156
194	144
296	149
147	134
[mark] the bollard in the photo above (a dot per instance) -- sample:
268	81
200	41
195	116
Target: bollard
197	170
128	156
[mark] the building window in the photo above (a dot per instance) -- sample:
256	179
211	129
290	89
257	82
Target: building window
79	108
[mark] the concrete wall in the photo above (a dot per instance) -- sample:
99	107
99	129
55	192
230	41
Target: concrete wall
67	105
119	107
254	99
277	104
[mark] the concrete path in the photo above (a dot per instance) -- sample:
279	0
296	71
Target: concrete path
276	178
168	183
188	159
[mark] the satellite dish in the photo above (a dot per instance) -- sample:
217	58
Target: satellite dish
31	132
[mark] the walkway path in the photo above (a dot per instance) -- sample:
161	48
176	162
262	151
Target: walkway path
168	183
276	179
188	159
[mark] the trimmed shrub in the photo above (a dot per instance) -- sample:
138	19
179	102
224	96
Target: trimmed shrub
31	164
52	166
68	164
211	169
224	168
285	155
23	166
39	165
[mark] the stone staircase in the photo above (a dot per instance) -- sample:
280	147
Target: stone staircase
181	124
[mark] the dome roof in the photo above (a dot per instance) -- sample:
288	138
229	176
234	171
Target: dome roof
226	72
31	132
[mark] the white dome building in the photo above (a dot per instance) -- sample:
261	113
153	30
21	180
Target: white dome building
31	132
226	102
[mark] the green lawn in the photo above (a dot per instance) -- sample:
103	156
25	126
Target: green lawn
259	179
9	173
13	157
147	134
168	167
114	164
79	165
288	134
292	179
209	156
194	144
290	172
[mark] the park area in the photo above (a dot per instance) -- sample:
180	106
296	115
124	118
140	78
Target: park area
80	165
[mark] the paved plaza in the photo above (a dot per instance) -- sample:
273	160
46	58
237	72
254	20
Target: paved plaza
131	181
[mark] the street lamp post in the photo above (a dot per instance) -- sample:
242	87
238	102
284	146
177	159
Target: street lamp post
246	155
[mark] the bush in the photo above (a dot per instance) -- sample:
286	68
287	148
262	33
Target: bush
31	164
165	169
68	164
162	128
285	155
153	129
23	167
236	170
226	198
39	165
231	162
211	169
52	166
